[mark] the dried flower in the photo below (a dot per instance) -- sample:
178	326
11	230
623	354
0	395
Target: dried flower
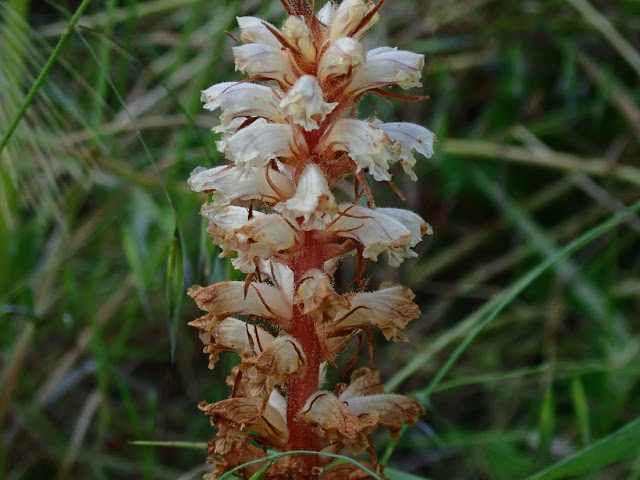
289	140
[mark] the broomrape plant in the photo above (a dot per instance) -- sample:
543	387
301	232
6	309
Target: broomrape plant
291	134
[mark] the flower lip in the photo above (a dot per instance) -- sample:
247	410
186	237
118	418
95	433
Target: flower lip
387	66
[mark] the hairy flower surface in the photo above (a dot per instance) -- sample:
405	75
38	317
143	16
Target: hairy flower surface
290	134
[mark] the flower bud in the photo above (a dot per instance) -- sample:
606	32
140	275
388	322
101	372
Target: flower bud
297	33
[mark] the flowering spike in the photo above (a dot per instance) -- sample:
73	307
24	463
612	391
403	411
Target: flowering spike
291	134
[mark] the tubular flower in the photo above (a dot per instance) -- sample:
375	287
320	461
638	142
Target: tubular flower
290	135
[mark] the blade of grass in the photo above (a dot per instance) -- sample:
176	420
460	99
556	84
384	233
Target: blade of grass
621	444
493	307
601	23
44	72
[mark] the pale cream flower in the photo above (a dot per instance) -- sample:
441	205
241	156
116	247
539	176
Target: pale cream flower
409	137
376	231
230	298
346	18
313	201
388	309
315	295
261	142
259	237
342	57
266	62
297	33
305	104
227	188
368	146
242	100
325	14
254	30
387	66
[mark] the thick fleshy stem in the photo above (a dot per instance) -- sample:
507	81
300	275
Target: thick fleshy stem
300	388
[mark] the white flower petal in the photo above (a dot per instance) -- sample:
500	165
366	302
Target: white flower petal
313	201
253	30
305	104
227	187
388	309
409	137
342	57
376	232
260	237
325	14
368	146
387	66
259	143
347	17
266	61
412	221
241	100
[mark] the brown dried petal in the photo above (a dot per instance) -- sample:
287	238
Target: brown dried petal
315	293
244	414
230	335
391	410
389	309
227	298
336	423
349	471
280	360
363	382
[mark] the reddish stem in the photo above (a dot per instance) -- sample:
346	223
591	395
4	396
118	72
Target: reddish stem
300	388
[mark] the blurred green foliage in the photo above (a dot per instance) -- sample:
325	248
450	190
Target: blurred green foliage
537	108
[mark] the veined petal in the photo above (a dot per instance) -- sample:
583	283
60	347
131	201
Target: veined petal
376	232
313	200
409	137
259	237
368	146
316	293
331	416
346	18
238	99
388	309
230	335
412	221
342	57
387	66
305	104
297	33
261	142
392	411
253	30
228	298
244	413
226	187
265	61
363	382
283	357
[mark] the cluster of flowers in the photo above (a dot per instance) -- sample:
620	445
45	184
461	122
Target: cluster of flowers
290	135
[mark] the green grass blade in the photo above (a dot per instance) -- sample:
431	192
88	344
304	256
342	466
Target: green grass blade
621	444
44	72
